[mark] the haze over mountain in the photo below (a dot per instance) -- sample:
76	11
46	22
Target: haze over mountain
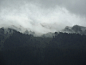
75	29
8	34
41	16
42	32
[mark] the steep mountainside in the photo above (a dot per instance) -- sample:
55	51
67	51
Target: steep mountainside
61	49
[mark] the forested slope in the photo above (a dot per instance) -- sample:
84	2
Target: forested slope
61	49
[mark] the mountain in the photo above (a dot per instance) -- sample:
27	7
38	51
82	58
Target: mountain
75	29
62	49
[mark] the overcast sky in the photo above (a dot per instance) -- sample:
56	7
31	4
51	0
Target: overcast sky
42	16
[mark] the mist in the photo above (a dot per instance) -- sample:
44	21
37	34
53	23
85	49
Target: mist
36	17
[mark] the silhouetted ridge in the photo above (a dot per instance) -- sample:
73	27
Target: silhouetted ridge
23	49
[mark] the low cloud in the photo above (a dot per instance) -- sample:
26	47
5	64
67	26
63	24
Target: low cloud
33	17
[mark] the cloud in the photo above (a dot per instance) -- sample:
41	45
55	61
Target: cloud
39	16
74	6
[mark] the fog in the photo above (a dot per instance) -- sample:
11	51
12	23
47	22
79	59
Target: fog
40	16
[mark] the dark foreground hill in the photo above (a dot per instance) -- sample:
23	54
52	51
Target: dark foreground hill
22	49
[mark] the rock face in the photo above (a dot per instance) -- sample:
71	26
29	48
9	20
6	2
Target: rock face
75	29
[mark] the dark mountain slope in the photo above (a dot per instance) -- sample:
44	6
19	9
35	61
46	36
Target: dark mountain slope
61	49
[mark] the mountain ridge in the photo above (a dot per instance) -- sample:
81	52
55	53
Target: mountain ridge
25	49
75	29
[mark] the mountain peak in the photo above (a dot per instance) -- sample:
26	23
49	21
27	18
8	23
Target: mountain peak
75	29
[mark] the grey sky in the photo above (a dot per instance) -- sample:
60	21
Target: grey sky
75	6
42	16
